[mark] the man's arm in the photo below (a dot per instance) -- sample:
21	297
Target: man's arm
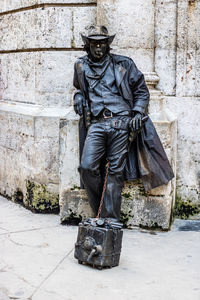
140	95
78	96
75	78
139	89
80	103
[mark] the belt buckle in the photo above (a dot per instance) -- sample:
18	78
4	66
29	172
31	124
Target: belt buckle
107	117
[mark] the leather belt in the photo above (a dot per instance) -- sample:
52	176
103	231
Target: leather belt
107	114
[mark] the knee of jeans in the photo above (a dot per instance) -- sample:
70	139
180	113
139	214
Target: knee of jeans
117	164
116	168
87	168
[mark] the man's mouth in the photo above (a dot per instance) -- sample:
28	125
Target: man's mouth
99	53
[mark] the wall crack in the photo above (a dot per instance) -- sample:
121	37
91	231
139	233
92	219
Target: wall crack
45	5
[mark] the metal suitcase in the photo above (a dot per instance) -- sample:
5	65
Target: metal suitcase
99	245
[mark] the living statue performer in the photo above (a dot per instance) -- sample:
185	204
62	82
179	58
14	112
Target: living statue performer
112	101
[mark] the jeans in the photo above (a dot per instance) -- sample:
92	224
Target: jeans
106	139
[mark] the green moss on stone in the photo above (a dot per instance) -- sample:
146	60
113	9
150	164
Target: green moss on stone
39	199
72	218
185	209
18	197
6	196
75	187
126	218
126	195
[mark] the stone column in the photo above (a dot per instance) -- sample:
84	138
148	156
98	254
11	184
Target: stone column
165	45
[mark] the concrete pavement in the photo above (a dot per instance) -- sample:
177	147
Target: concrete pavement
36	261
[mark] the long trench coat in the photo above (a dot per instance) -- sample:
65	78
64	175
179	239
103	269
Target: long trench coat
146	157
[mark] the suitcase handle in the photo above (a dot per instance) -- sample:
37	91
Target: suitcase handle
95	251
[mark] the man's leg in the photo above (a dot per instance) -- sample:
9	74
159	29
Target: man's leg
93	152
116	154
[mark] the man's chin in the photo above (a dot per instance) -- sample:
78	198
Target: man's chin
98	56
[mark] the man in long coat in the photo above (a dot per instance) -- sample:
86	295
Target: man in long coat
112	100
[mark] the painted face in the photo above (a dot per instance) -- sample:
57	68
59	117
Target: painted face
98	49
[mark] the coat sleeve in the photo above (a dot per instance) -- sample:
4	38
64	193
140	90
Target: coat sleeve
75	78
139	89
78	95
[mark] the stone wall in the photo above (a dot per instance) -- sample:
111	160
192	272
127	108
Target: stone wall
186	103
39	42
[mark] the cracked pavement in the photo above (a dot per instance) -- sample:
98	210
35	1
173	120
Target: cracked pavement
37	262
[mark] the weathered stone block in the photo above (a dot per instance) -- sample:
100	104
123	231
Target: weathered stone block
69	152
74	206
39	199
147	209
165	27
129	15
6	5
17	78
188	54
143	58
153	208
188	162
30	77
52	27
138	208
165	60
82	18
133	23
29	149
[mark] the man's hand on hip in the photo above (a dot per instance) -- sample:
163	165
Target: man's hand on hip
78	104
137	121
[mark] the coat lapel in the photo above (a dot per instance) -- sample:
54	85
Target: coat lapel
119	74
121	82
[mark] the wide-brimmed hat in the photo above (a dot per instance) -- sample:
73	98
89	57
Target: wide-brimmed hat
97	32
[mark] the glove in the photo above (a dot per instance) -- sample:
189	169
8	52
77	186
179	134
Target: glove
78	104
137	121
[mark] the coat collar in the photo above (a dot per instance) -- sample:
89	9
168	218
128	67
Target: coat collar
119	70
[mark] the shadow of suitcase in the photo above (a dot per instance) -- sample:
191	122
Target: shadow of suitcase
98	246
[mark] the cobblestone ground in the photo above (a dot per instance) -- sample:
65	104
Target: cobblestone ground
36	261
